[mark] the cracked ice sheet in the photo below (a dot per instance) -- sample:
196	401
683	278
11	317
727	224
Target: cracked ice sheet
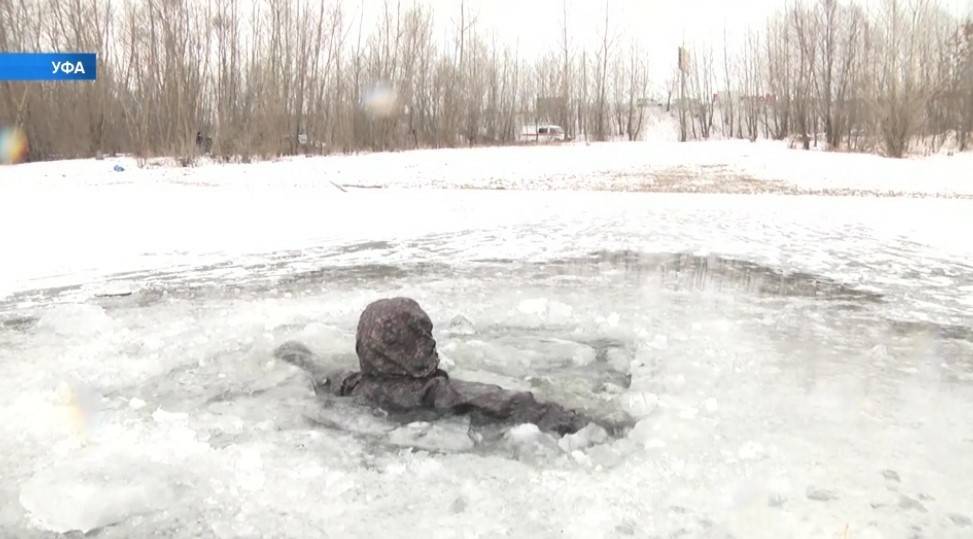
108	233
176	414
761	415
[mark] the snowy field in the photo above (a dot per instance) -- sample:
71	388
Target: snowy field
799	366
729	166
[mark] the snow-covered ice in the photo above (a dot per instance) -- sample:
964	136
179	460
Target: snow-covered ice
798	366
655	165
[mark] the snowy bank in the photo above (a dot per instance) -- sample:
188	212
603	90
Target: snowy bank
727	166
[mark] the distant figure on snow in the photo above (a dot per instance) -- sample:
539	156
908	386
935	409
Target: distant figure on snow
400	373
203	144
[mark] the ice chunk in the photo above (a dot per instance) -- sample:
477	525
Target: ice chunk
474	353
162	416
611	389
488	377
619	359
113	289
530	444
532	306
444	435
609	322
79	496
639	404
821	495
660	342
76	319
545	311
446	362
581	458
689	412
590	435
606	455
643	432
347	417
564	352
461	325
325	340
674	382
523	433
665	429
248	465
519	355
751	451
583	356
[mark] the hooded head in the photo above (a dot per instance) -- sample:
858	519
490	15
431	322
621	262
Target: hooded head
395	339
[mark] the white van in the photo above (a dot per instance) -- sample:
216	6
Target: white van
542	133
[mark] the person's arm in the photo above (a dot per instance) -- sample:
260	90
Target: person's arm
496	402
323	379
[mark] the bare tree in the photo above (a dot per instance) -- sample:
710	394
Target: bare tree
703	97
804	31
751	88
726	100
601	120
638	83
565	73
779	75
294	76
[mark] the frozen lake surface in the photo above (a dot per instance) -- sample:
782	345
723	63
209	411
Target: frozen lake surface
798	366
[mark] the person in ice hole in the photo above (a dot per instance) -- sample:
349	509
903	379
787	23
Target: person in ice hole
400	374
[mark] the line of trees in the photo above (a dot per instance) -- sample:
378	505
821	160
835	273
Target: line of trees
286	76
828	73
277	77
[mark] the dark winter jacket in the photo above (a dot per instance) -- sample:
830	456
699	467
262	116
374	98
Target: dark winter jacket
400	373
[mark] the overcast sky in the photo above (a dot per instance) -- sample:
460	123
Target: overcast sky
659	25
